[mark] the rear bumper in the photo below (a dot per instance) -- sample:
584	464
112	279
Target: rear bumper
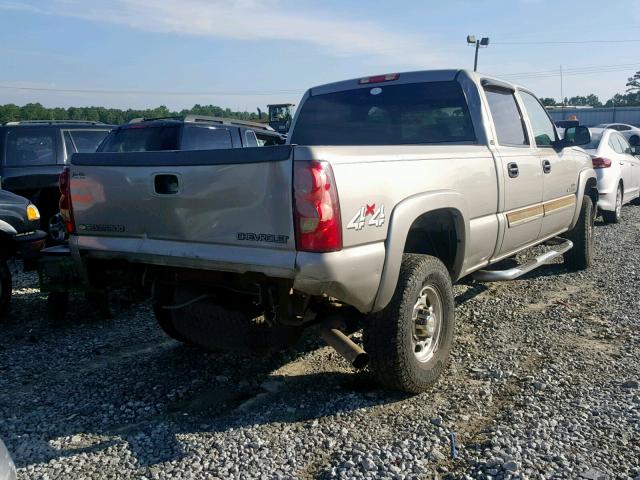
198	256
351	275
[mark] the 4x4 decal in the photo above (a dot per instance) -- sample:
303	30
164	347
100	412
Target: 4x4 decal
359	220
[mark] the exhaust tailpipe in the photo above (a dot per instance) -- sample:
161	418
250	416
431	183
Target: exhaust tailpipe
342	344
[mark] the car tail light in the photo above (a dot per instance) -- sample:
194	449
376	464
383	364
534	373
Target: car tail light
601	162
389	77
66	209
316	209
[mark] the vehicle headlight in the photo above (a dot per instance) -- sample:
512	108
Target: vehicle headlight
32	212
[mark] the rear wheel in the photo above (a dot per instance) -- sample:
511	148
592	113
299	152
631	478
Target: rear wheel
616	215
5	287
410	340
581	255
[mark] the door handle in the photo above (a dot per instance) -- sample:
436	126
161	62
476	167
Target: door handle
621	163
546	166
513	170
166	184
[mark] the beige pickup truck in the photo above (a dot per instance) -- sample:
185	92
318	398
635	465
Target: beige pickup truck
390	189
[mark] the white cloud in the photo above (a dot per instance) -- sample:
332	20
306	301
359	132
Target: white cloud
252	20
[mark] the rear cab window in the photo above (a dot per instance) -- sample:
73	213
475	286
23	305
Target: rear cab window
30	147
405	114
142	138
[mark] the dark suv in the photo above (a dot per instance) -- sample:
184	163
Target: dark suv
33	153
188	133
19	236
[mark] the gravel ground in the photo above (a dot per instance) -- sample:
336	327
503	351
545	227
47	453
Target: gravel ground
543	383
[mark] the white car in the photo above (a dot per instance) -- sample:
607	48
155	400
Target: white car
631	133
618	171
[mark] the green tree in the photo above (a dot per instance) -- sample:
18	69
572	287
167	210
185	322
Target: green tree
633	83
548	101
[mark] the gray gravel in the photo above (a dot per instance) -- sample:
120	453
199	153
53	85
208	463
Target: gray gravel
543	384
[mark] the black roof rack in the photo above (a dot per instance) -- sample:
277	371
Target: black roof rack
53	122
205	119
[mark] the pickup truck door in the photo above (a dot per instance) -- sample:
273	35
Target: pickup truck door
520	207
559	168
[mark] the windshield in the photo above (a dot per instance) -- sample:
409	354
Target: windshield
415	113
142	139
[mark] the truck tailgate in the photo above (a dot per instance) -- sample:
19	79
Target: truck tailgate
187	204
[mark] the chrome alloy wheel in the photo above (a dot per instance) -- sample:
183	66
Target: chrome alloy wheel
427	323
619	203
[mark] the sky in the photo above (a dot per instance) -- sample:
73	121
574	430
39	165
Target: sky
244	54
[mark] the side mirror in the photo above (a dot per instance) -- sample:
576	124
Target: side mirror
635	150
574	136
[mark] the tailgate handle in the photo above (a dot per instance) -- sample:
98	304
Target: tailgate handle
166	184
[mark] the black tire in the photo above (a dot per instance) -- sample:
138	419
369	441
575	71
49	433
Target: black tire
57	306
164	316
390	335
616	215
580	256
5	288
215	327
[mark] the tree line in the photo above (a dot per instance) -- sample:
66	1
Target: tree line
116	116
35	111
629	99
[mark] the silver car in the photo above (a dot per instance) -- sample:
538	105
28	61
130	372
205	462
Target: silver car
7	468
618	171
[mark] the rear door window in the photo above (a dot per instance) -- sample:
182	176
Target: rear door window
202	137
142	138
507	119
386	114
30	147
615	144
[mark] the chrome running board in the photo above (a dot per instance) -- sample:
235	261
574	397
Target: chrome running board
515	272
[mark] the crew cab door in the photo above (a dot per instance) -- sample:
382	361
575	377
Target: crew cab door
521	205
559	168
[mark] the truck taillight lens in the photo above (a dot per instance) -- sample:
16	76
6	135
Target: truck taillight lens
66	209
316	211
601	162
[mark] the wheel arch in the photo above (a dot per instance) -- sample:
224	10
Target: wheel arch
587	185
412	216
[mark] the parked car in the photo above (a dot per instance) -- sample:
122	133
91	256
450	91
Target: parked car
7	468
19	236
188	133
617	169
390	188
33	153
630	132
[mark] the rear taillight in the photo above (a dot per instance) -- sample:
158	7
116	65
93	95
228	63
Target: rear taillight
601	162
316	211
66	209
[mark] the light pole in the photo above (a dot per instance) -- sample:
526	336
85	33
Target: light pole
484	42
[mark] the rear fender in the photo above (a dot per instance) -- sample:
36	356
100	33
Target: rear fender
402	218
